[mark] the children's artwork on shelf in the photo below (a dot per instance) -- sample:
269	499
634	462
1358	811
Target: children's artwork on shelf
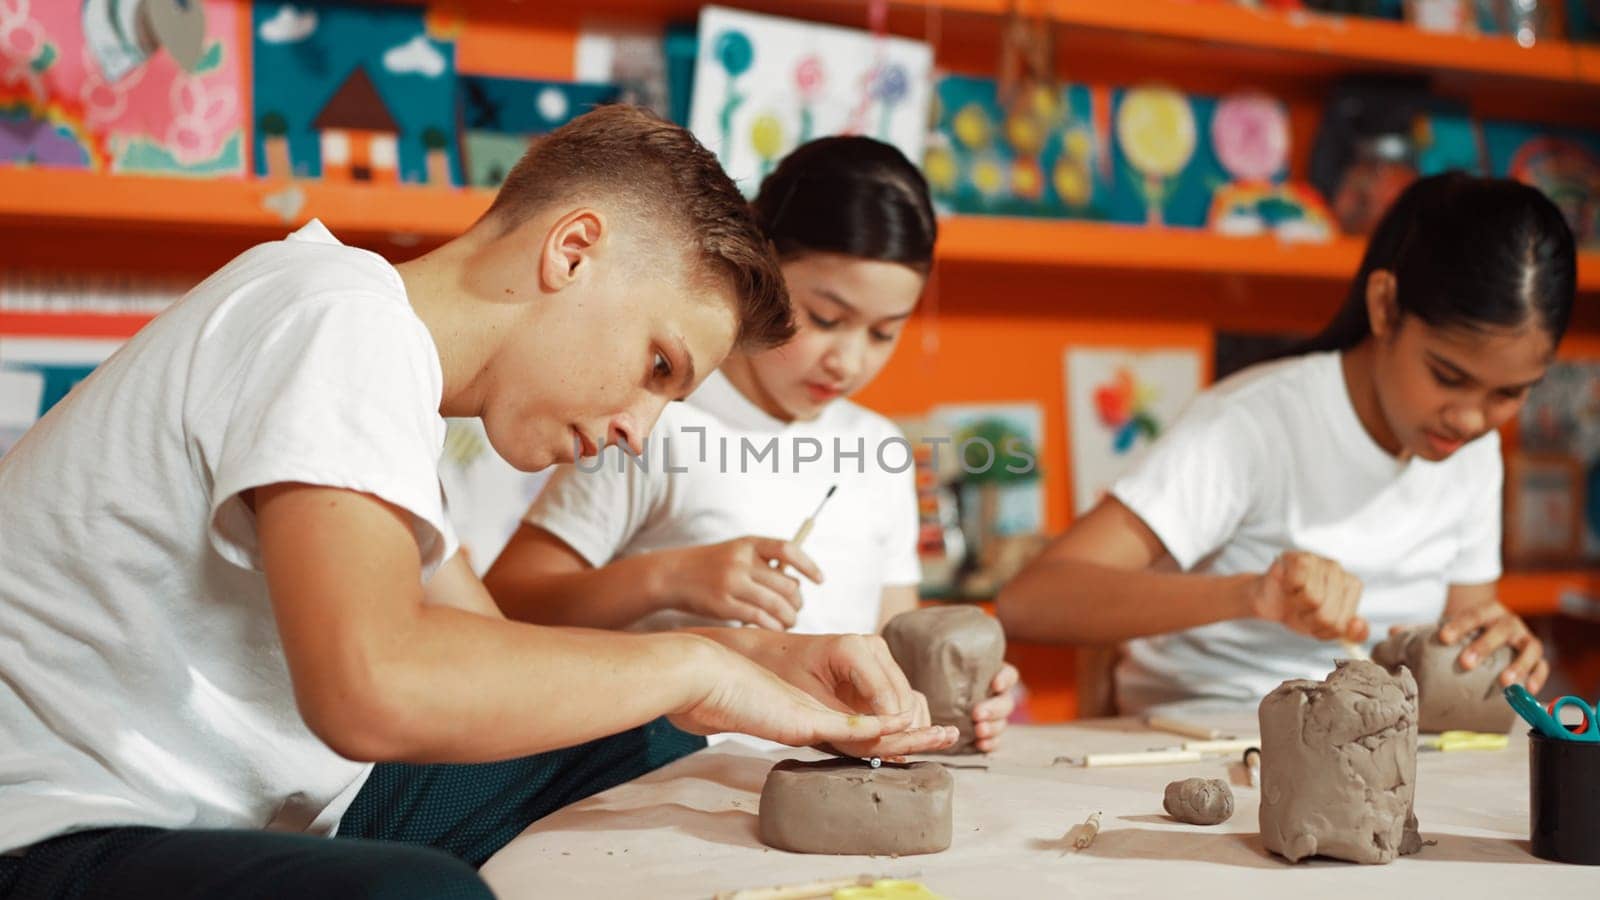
1561	420
1045	156
499	116
1119	401
35	373
355	92
1563	163
764	85
1250	137
132	86
1447	138
941	544
632	57
1165	164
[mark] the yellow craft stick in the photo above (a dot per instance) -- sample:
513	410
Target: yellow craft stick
1235	745
811	520
1141	758
807	891
1353	650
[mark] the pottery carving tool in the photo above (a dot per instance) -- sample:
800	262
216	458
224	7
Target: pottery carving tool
1252	766
1187	729
811	520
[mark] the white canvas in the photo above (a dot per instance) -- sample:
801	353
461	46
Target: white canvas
1164	381
763	83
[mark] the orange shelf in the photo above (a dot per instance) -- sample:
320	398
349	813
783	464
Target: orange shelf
34	198
1540	593
41	196
1344	41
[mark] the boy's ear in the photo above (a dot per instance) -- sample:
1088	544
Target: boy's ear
569	248
1383	306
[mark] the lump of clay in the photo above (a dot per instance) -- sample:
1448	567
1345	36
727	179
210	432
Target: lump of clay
844	806
1199	801
1339	765
1449	698
951	654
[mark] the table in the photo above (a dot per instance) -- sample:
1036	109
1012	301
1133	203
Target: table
689	830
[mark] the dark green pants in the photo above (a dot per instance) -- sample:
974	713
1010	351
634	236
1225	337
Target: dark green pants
413	832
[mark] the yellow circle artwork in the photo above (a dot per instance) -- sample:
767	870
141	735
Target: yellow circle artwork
766	136
1157	130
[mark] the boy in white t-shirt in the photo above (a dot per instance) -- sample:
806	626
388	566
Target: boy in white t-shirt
697	531
227	585
1322	497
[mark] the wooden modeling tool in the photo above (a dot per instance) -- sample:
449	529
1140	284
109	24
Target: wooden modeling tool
1187	729
805	527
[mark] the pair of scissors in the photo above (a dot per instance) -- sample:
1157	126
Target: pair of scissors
1588	727
1547	719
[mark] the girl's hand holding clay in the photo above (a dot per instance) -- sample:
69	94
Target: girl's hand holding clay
732	693
990	716
742	580
1498	627
1311	595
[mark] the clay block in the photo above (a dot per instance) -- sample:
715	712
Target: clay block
951	654
1449	699
1339	765
1199	801
845	806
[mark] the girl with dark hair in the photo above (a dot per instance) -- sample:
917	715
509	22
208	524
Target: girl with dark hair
1346	490
690	530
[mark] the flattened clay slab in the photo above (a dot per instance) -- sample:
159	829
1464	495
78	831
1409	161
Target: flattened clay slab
844	806
1339	765
1199	801
951	654
1449	698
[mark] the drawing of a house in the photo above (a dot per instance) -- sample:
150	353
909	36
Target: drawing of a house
359	136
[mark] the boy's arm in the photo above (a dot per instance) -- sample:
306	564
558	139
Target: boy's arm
379	674
455	584
540	578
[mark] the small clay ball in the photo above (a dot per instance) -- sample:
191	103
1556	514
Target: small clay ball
1199	801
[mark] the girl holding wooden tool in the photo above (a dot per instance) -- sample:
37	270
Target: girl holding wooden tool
1323	497
672	539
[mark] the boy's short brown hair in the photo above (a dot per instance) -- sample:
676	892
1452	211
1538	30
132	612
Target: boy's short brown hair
629	152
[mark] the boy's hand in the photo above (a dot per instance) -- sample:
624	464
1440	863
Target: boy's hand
737	581
851	673
736	694
989	717
1498	627
1311	595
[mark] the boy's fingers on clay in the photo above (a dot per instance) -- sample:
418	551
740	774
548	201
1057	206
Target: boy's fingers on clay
874	682
914	740
994	709
904	696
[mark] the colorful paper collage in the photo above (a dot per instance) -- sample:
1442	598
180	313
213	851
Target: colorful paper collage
355	92
500	115
1046	156
1564	163
1561	418
1118	402
764	85
74	93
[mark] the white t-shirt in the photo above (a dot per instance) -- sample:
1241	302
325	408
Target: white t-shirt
144	679
717	467
1275	459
